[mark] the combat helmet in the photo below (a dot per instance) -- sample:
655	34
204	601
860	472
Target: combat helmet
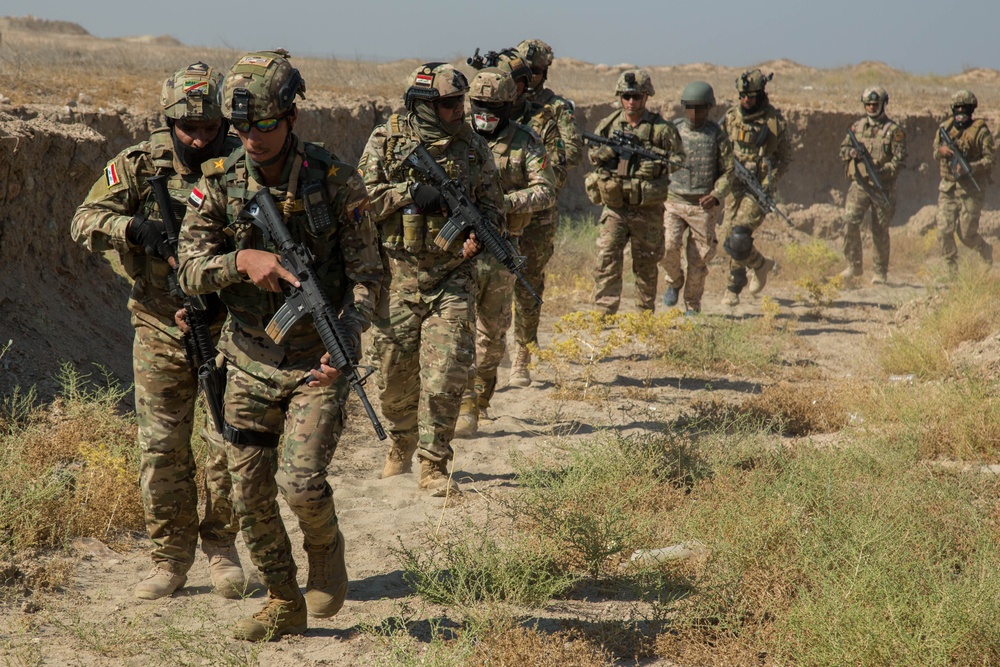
698	93
536	53
964	98
261	85
192	93
752	81
511	61
492	84
635	81
433	81
875	95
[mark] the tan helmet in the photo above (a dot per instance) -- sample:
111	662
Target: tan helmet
492	84
511	61
261	85
752	81
192	93
635	81
874	95
964	98
536	53
434	81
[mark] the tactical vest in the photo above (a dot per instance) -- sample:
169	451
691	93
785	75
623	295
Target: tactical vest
968	142
509	151
755	139
877	139
250	306
701	147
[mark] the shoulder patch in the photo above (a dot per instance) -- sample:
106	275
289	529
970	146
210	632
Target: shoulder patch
196	198
213	167
111	175
899	135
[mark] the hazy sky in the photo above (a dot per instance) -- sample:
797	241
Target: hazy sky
921	36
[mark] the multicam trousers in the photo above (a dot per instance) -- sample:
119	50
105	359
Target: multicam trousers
857	205
958	213
643	228
493	317
537	245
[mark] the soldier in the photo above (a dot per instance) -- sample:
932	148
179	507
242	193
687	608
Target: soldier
538	56
960	201
761	143
632	193
529	185
267	395
886	145
121	214
694	202
426	346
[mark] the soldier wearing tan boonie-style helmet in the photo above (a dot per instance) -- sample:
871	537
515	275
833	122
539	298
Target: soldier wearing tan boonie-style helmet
121	214
960	201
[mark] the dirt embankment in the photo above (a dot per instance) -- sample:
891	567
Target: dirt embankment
59	303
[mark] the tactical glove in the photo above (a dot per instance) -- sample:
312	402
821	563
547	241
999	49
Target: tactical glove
150	234
427	197
646	170
604	154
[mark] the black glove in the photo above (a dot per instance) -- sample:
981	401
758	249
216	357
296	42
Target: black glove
427	197
150	234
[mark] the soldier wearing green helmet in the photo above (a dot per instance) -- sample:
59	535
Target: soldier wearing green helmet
694	202
961	194
282	390
632	192
120	213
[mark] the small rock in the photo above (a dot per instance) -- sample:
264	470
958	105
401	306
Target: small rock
84	98
29	607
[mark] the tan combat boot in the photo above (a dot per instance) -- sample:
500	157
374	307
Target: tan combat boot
879	279
326	585
284	613
731	299
434	477
225	569
468	418
850	272
519	375
159	583
759	277
398	460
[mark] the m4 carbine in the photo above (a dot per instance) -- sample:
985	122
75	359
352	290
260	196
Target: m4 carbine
627	146
869	181
764	201
959	165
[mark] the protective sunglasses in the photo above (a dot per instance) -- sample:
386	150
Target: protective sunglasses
451	103
265	125
632	96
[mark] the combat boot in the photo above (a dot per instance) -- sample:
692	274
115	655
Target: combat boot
759	277
731	299
434	477
879	278
468	418
284	613
159	583
519	374
326	585
851	272
225	569
398	460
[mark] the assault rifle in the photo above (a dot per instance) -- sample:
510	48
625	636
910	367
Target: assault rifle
764	201
491	59
308	299
198	345
464	215
626	146
875	190
959	165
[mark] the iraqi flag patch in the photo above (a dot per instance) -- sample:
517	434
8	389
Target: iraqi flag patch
196	198
424	80
111	174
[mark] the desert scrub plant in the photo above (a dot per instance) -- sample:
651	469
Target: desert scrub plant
566	284
813	260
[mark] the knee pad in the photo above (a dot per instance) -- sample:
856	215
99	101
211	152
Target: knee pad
739	244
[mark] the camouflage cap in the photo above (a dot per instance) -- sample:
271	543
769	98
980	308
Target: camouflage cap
192	93
635	81
874	95
262	84
752	81
964	98
511	61
536	53
492	84
433	81
698	93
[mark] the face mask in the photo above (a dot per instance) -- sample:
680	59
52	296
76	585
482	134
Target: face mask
192	157
962	118
485	122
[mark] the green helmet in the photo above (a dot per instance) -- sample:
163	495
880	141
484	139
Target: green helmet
635	81
261	85
492	84
536	53
752	81
192	93
964	98
698	93
511	61
433	81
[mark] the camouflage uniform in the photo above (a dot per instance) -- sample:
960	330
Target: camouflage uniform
709	156
633	196
538	55
886	143
959	202
165	385
426	346
761	142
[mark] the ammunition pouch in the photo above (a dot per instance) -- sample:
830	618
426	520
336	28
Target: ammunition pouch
611	191
591	184
411	230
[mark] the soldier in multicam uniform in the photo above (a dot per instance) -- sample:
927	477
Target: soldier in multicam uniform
267	395
761	142
960	203
426	346
121	214
694	203
538	237
886	144
632	193
529	185
538	55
